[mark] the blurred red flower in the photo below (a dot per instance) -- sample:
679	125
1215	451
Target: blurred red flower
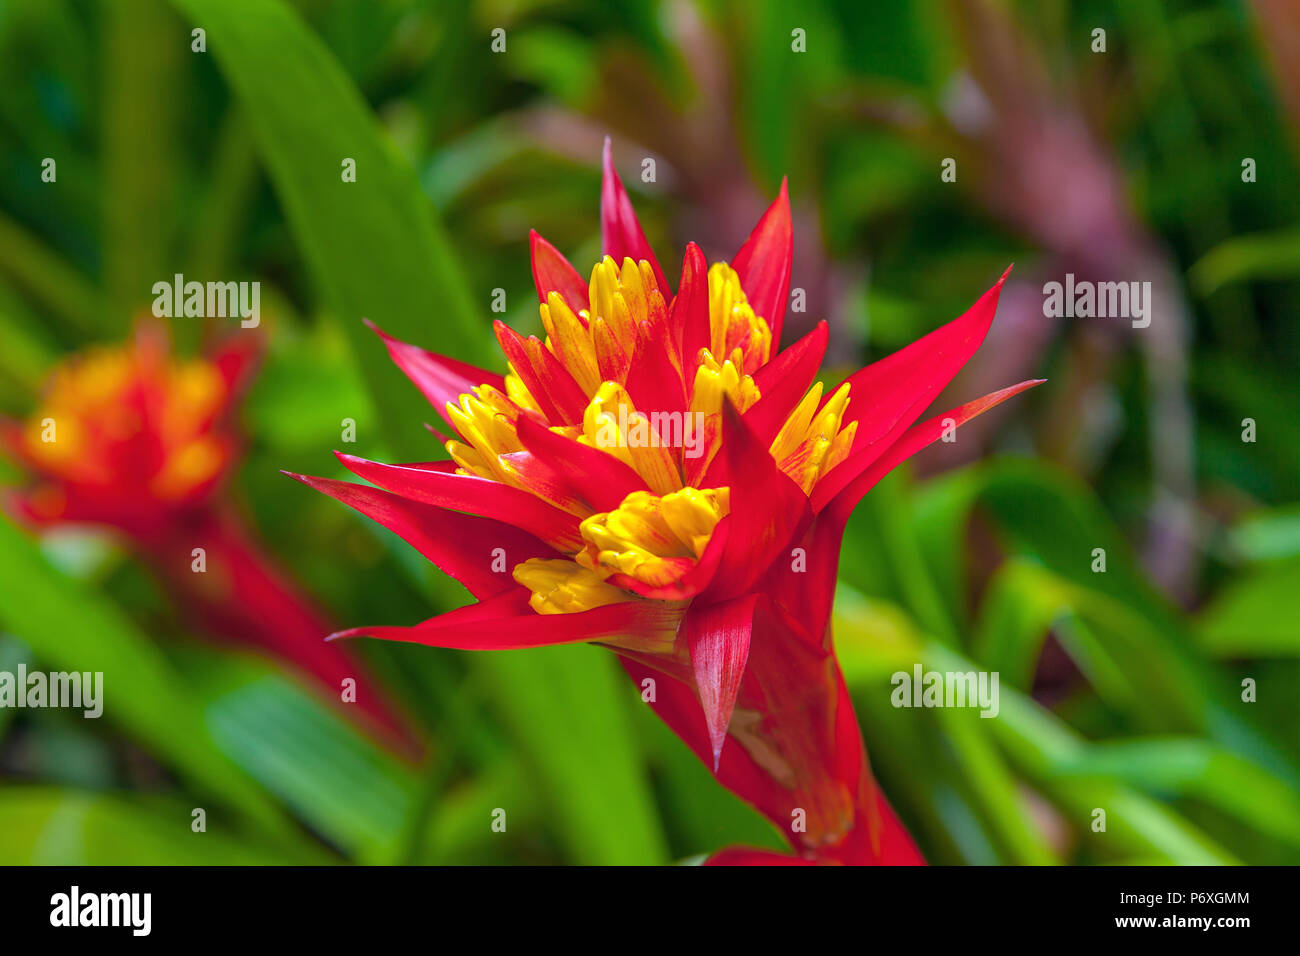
135	439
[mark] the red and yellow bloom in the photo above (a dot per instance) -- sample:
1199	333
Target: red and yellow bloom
573	510
128	435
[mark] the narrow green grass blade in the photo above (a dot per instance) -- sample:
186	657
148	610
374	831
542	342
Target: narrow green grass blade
374	246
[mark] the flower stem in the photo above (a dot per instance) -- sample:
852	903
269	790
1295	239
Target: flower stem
235	591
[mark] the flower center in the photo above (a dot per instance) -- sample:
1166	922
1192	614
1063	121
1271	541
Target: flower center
649	538
654	537
99	402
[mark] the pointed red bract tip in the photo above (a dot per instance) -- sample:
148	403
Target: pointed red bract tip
552	272
442	437
620	231
845	484
764	262
439	378
718	638
689	318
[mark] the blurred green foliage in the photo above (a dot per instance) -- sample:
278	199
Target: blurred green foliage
226	163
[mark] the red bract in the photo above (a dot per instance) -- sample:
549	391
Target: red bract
135	439
656	478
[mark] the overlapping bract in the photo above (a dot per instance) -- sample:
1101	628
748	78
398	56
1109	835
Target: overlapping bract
709	567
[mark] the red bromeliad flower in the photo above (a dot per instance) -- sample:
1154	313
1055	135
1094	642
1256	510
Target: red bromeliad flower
128	436
136	440
657	478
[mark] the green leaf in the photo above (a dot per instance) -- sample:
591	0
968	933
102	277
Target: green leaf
559	61
961	798
940	508
70	627
980	805
567	707
13	652
140	100
39	270
364	800
338	782
1197	768
43	826
1042	747
374	246
1123	628
301	398
890	507
1058	520
1257	615
27	349
1270	256
1021	605
460	830
994	788
1268	535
